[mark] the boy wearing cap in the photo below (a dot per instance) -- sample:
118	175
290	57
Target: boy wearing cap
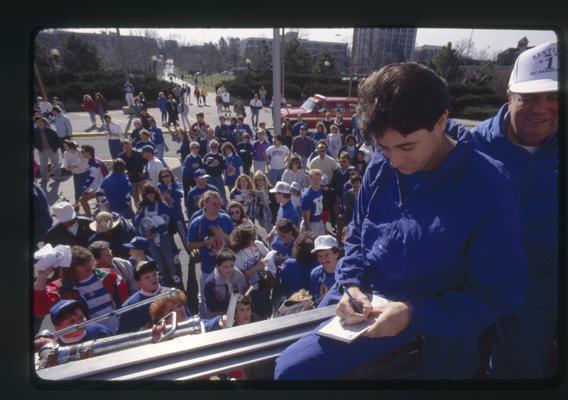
153	165
70	312
138	248
71	229
322	277
146	274
283	197
449	272
524	137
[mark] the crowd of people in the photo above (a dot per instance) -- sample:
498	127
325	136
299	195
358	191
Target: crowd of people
442	220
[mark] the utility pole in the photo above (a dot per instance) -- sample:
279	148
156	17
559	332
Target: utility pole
283	61
352	62
39	81
121	53
276	87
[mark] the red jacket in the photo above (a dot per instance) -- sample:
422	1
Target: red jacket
89	106
45	299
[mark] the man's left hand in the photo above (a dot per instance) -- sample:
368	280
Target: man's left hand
392	318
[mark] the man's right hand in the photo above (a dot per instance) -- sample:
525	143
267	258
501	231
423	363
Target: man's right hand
347	313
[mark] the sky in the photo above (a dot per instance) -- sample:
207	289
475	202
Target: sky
486	42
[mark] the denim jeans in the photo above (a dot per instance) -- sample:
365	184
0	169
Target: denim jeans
115	148
254	118
79	182
274	175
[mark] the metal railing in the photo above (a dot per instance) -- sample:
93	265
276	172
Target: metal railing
195	356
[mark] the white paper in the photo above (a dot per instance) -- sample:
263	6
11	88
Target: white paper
231	311
347	333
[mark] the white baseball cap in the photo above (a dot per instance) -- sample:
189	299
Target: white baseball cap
536	70
281	187
325	242
64	211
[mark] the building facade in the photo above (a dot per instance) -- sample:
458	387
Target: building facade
377	47
426	53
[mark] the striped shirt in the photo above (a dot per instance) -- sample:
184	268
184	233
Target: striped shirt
98	299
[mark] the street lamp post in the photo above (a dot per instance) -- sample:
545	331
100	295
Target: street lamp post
326	63
155	62
55	54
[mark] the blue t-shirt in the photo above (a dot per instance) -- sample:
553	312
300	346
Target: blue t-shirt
320	283
283	250
294	276
198	231
289	212
312	200
236	162
137	318
157	135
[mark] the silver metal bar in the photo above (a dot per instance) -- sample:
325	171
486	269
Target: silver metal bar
74	327
195	355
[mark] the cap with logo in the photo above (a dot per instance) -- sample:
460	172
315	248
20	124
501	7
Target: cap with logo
536	70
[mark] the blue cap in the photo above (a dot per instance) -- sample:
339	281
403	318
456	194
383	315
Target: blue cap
148	148
137	242
200	174
304	126
63	305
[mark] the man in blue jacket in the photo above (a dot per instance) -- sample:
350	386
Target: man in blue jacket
523	136
435	230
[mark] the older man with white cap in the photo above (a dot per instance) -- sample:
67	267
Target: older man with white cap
284	198
523	136
71	229
322	277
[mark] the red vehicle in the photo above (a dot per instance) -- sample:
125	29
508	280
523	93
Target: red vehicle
315	108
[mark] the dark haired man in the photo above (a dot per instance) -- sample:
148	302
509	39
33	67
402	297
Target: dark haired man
436	231
135	164
114	131
46	142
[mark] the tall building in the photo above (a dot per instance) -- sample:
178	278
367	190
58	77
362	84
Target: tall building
377	47
424	54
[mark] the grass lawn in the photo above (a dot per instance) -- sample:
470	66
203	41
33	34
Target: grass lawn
210	80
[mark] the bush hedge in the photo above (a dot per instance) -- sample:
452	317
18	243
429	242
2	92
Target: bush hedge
75	86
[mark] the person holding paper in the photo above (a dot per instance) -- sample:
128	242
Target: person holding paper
435	230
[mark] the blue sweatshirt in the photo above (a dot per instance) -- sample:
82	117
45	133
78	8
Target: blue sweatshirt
117	191
295	276
162	104
235	161
535	179
136	319
157	135
190	165
447	241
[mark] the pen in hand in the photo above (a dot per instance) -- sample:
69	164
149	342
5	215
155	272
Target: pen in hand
354	303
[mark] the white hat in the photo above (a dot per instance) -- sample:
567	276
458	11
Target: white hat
324	242
64	211
281	187
536	70
296	186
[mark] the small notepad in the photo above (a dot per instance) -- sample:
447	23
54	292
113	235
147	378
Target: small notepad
348	333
